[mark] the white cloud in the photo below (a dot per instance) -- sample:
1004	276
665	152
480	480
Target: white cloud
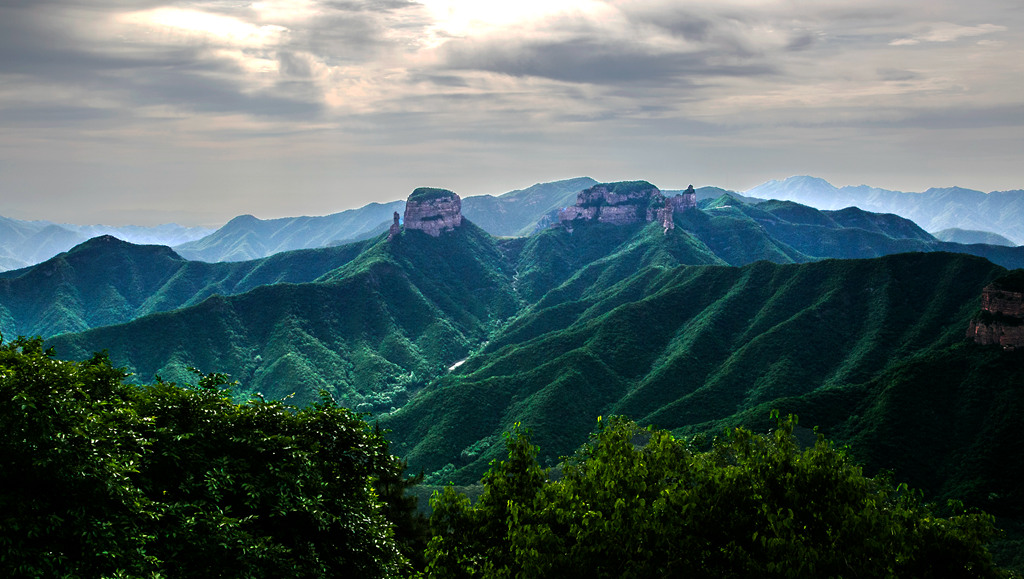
193	26
947	32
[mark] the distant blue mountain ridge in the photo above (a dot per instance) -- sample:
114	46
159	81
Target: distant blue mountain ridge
937	209
24	243
960	215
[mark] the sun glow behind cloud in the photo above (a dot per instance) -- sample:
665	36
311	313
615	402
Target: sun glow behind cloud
511	86
483	18
192	25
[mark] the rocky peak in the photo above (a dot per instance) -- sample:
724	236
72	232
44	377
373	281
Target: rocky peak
619	203
626	202
432	211
685	200
395	228
1001	320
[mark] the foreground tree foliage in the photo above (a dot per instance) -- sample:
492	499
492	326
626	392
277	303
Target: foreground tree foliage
641	503
102	478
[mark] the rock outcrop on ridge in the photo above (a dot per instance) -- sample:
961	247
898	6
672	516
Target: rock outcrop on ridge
432	211
626	202
1001	321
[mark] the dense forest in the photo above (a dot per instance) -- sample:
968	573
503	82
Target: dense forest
105	479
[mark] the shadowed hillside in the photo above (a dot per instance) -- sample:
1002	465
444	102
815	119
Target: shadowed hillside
688	346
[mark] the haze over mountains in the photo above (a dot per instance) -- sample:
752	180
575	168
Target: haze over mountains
853	319
953	214
106	281
24	243
936	209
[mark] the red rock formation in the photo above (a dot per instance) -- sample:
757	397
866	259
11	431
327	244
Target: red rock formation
1001	322
433	210
617	203
1007	303
627	202
685	200
665	218
996	334
395	228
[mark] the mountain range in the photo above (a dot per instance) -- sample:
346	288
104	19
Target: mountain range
954	214
106	281
24	243
937	209
853	320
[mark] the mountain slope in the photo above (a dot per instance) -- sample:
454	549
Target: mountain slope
518	212
396	315
25	243
246	237
523	211
107	281
111	282
968	236
688	347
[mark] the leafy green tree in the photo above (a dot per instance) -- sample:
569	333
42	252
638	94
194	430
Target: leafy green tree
641	503
69	447
102	478
476	541
412	529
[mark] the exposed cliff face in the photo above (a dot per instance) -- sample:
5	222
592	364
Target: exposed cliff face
1001	322
626	202
395	228
1007	303
433	210
685	200
618	203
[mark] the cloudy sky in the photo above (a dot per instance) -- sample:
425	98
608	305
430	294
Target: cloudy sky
152	111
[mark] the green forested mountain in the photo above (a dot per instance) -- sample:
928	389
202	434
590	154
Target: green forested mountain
449	341
686	347
518	212
107	281
24	243
784	232
370	332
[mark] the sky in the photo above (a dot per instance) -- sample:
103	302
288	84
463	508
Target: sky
154	111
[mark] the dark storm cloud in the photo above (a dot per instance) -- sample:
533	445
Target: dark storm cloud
589	60
705	41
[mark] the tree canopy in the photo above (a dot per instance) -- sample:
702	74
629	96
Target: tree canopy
641	503
103	478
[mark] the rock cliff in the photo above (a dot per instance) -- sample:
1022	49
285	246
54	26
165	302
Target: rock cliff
1001	321
395	228
618	203
626	202
685	200
433	210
